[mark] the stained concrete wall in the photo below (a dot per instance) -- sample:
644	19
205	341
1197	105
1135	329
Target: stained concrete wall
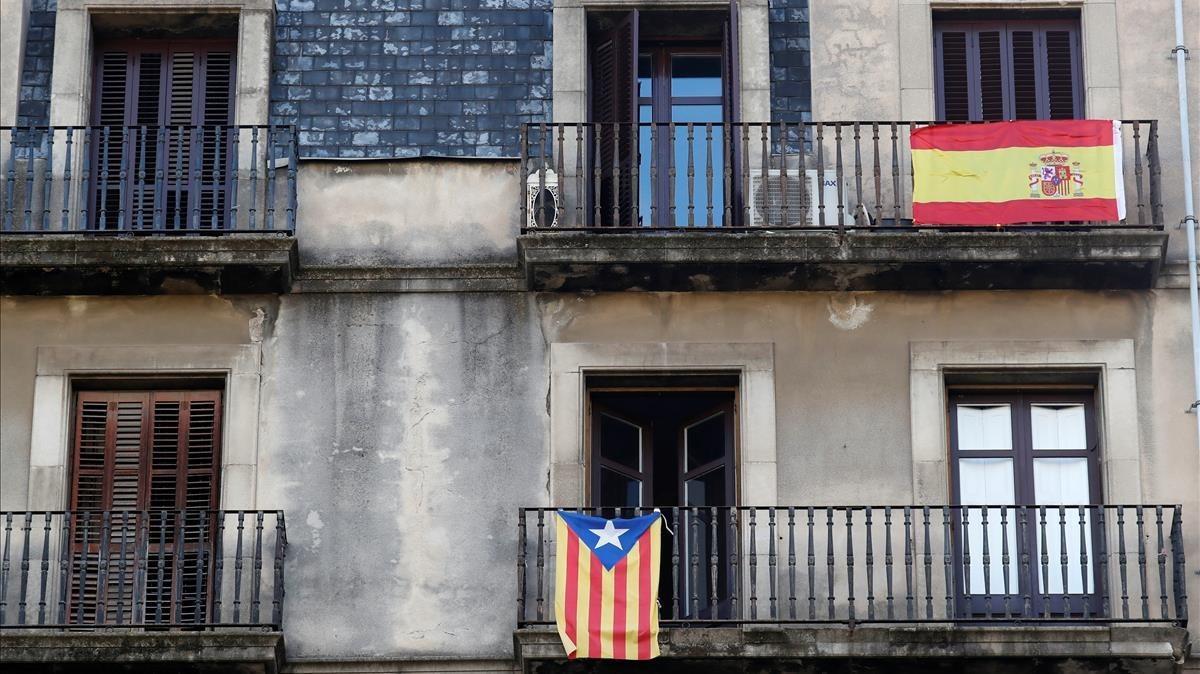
408	213
400	432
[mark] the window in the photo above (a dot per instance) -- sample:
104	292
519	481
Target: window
162	149
145	467
667	446
661	92
1025	448
1016	69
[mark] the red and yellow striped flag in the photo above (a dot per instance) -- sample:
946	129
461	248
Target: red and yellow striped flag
1003	173
606	586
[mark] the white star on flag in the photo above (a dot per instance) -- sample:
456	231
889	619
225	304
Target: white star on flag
609	535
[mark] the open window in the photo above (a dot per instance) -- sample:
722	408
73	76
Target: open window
669	443
663	94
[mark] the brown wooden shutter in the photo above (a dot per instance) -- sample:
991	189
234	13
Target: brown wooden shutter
147	457
614	109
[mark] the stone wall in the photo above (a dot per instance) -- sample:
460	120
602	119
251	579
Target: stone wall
396	78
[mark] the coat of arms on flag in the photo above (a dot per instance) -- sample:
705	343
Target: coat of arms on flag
1000	173
606	586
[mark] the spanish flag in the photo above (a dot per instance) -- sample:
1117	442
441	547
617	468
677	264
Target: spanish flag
606	586
1004	173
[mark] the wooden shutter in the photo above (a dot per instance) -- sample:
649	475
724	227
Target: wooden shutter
614	109
150	459
176	97
953	59
1008	70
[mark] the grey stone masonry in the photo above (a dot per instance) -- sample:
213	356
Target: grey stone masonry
34	106
406	78
791	77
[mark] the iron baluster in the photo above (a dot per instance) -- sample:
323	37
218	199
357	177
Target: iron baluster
238	564
859	206
877	175
771	561
254	179
791	524
121	568
1141	537
1162	559
269	197
987	564
675	586
753	568
909	608
256	584
840	174
521	548
708	173
829	557
102	574
1045	559
850	564
68	162
928	565
1102	561
713	561
1137	172
1004	561
4	566
821	174
691	177
812	563
559	158
887	561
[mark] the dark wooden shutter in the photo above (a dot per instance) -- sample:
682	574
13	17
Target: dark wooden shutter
614	110
151	459
953	59
176	98
1063	83
1008	70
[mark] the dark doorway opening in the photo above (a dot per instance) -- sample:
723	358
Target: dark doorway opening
671	444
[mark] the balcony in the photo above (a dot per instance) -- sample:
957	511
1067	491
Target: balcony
163	586
786	206
934	584
141	209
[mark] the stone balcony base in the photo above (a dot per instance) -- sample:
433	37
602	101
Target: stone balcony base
240	651
802	259
925	647
71	264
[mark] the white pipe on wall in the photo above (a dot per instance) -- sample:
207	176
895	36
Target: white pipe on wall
1189	206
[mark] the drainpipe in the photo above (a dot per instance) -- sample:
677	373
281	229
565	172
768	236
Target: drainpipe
1189	206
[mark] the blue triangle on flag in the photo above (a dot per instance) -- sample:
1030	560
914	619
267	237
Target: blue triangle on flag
609	540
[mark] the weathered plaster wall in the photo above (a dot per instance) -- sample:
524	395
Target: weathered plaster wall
27	323
412	213
401	431
401	434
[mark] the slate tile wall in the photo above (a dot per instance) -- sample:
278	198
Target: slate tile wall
404	78
34	106
791	77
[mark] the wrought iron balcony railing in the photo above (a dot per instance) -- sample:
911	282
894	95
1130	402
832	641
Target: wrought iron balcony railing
174	180
183	569
838	175
850	564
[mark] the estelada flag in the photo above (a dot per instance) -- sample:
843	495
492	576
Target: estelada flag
606	586
1002	173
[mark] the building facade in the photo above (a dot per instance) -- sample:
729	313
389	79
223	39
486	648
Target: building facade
314	311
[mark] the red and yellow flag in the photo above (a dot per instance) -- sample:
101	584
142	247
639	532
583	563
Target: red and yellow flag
1003	173
606	586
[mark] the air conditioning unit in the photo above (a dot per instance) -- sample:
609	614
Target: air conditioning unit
541	199
803	203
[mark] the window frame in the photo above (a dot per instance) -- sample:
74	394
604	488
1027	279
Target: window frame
1021	400
972	27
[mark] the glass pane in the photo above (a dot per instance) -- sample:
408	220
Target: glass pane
704	442
621	442
704	150
1058	427
707	490
645	76
619	491
988	482
984	427
645	180
1063	482
696	75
